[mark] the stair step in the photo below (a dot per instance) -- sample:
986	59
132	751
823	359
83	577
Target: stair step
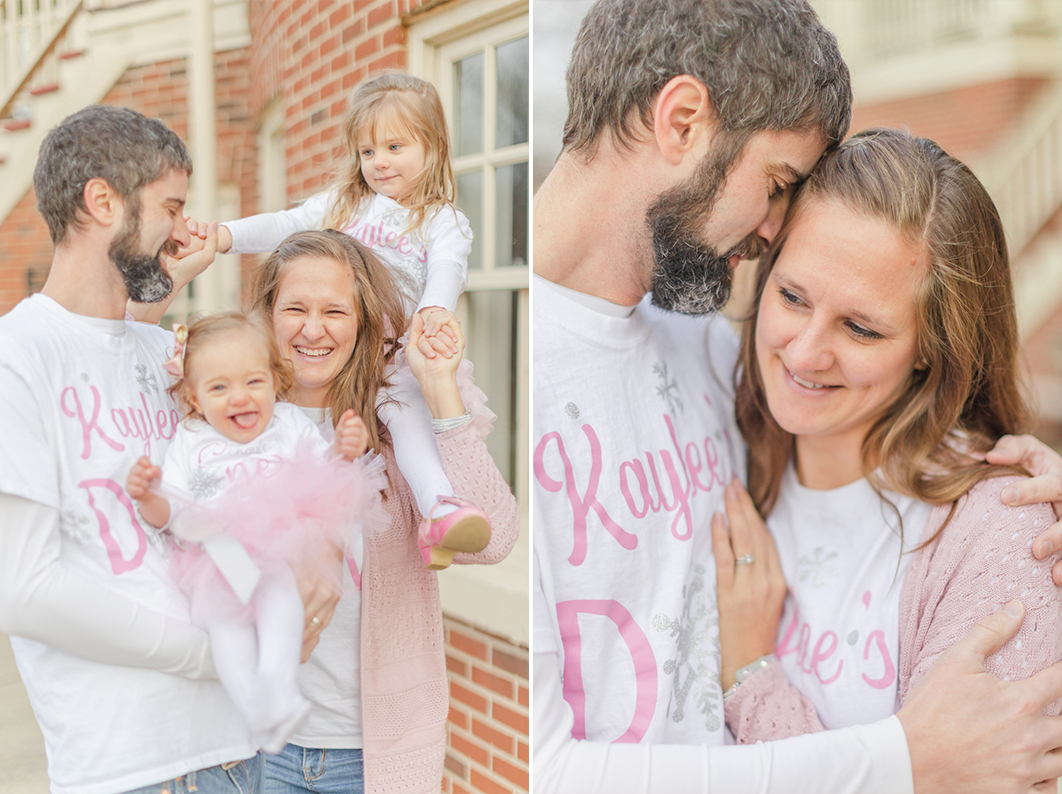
12	125
47	88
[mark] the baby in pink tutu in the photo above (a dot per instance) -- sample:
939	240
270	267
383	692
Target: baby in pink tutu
249	489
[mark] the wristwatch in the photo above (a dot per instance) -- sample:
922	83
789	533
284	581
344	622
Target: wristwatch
744	672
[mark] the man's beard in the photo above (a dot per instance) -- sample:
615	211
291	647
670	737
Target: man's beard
145	279
690	276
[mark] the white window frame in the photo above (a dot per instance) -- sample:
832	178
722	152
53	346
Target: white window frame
436	40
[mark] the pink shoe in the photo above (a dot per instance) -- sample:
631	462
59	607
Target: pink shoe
465	529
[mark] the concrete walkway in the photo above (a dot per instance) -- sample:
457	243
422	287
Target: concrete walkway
22	764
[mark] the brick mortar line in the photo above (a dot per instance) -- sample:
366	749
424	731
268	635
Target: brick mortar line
491	695
490	773
464	656
493	749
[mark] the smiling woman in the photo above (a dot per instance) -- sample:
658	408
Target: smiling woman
316	324
836	334
879	368
378	693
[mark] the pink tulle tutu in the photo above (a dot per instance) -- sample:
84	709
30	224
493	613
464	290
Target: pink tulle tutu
293	516
471	395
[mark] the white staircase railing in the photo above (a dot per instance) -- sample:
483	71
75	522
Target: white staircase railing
29	30
1026	180
875	30
895	26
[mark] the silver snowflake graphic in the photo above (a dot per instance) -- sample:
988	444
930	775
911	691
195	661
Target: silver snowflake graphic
667	389
392	220
818	568
146	380
204	483
76	527
696	676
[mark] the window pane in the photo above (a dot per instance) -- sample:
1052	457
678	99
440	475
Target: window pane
468	105
470	202
492	334
511	218
512	97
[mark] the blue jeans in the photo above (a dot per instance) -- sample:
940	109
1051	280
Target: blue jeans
241	777
298	769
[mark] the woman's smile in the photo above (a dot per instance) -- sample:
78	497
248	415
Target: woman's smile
836	330
315	324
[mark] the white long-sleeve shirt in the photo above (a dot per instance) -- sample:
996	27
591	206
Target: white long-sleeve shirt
433	259
116	673
634	442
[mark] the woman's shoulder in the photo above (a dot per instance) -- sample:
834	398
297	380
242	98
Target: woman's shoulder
986	492
981	520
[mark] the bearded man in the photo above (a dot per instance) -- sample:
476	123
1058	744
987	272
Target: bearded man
122	684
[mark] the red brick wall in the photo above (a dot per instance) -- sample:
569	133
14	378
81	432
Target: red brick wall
310	54
489	748
966	121
24	245
159	90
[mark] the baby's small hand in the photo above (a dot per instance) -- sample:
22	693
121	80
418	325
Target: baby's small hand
352	436
438	332
143	473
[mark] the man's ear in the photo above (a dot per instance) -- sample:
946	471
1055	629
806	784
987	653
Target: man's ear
682	118
102	202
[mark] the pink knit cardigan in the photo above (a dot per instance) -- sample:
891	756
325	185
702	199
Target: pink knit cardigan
982	560
404	693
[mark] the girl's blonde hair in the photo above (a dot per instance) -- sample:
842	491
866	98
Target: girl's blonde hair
415	106
379	308
204	330
965	393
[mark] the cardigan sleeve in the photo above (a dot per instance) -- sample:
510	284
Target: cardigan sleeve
475	477
982	560
767	707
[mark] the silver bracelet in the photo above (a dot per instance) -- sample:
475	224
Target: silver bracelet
744	672
442	425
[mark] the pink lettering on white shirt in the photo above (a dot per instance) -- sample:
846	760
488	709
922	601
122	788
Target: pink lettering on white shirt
143	421
825	647
119	564
70	402
796	639
139	423
376	236
878	638
264	466
692	474
641	651
581	505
